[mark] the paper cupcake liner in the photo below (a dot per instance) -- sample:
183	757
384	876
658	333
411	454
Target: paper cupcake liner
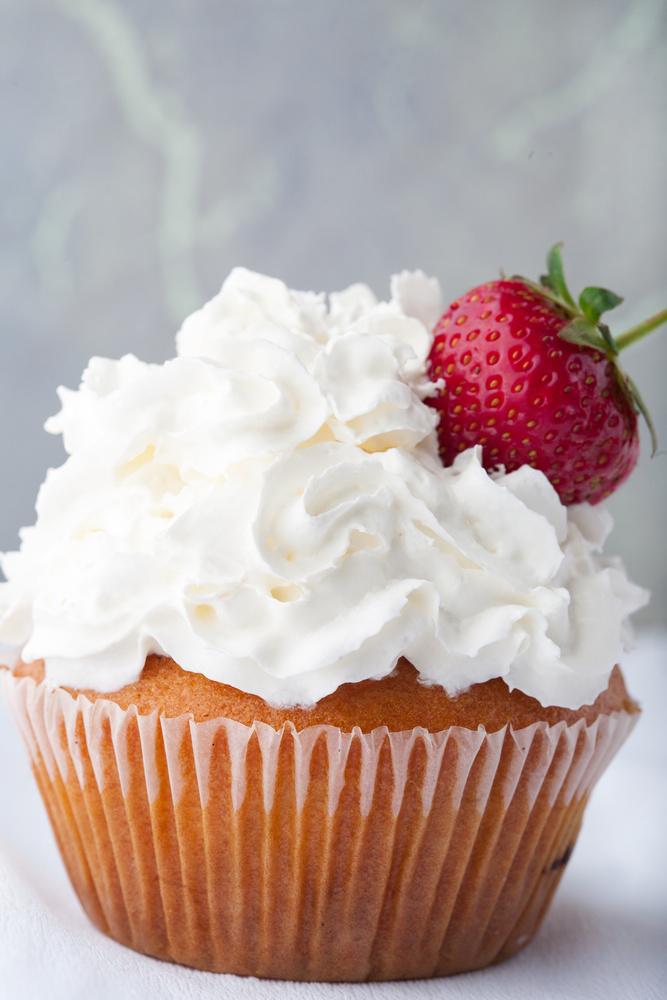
312	855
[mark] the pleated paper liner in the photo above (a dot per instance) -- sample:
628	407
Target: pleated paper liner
312	855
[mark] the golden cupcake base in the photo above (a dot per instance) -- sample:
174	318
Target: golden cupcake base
312	855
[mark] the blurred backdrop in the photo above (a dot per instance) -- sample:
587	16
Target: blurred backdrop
148	147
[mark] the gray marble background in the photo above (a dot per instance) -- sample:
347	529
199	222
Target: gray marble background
146	147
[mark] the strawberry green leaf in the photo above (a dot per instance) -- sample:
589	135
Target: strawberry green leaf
585	334
555	277
644	410
605	332
595	301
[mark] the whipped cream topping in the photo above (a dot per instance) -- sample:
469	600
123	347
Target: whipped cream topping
269	509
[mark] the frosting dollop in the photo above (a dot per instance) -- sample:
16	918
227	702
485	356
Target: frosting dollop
269	509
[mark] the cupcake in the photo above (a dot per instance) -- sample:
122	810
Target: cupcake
301	700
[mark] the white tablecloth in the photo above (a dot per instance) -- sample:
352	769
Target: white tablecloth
605	937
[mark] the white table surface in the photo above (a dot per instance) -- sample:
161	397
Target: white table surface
605	936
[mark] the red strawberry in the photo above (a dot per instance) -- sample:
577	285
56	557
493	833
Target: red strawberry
534	378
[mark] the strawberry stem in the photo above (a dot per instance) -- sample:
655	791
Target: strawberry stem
639	331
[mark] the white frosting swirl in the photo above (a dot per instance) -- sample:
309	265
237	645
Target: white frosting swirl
268	509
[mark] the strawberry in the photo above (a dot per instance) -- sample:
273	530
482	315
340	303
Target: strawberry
533	377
